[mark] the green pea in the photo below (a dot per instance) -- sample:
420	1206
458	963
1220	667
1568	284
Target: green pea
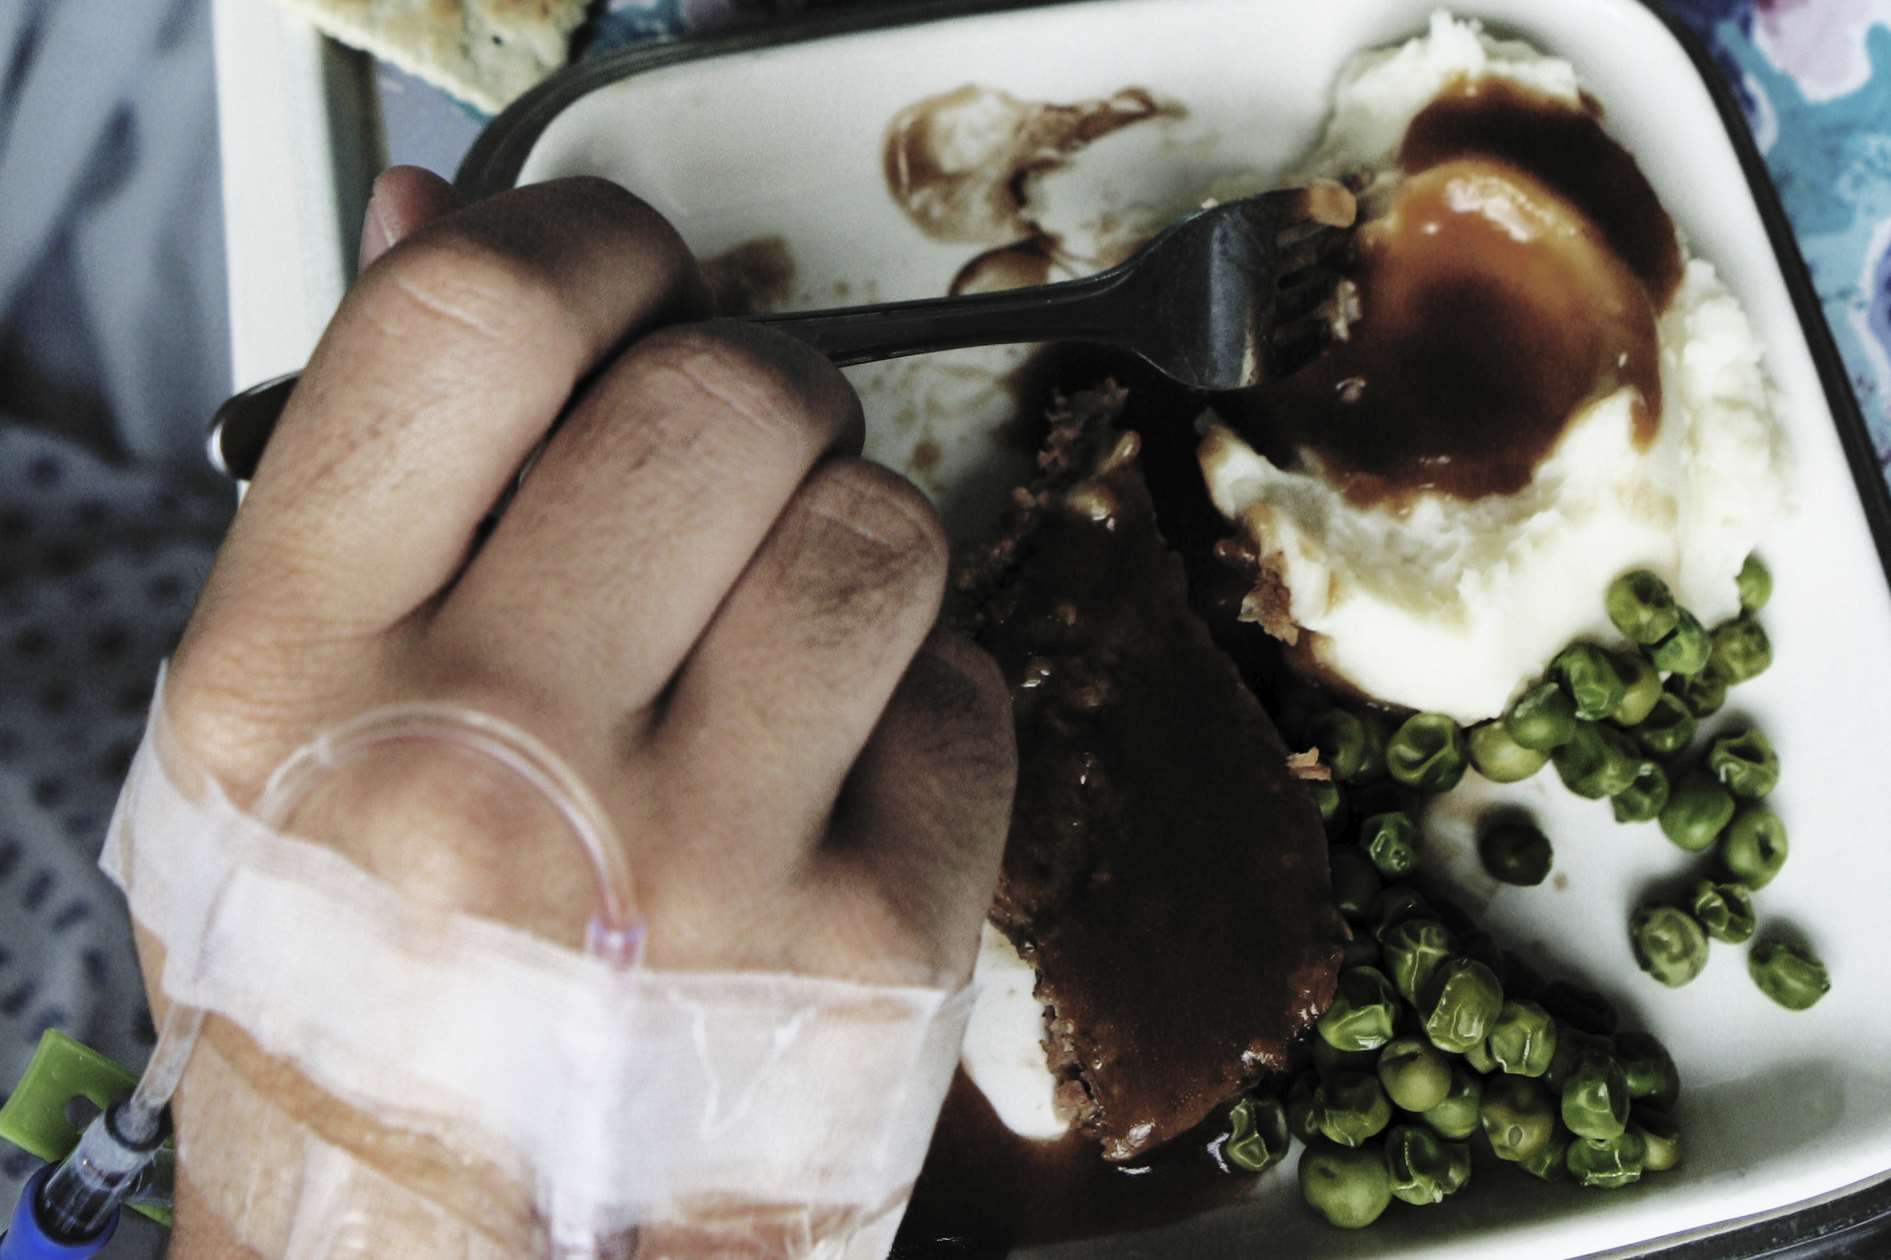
1597	761
1579	1007
1685	649
1352	1107
1698	810
1515	853
1478	1059
1669	944
1595	1098
1643	799
1395	904
1500	758
1412	950
1391	841
1725	911
1459	1003
1641	606
1668	728
1660	1136
1341	739
1364	1011
1303	1115
1548	1163
1327	1060
1653	1080
1427	753
1607	1163
1755	583
1330	800
1745	763
1741	650
1573	1046
1257	1134
1424	1170
1355	880
1523	1040
1641	688
1542	718
1348	1187
1703	694
1789	974
1415	1074
1755	846
1589	675
1456	1117
1517	1115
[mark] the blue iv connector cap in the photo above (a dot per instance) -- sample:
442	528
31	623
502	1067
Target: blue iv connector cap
27	1238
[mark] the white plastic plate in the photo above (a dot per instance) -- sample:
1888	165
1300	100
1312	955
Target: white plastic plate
784	139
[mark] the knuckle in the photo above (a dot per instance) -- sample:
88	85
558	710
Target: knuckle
886	519
454	277
768	384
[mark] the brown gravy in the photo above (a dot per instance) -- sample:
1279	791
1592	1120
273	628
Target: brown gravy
1514	277
1564	148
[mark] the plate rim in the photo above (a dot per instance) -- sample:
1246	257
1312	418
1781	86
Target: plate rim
1808	1230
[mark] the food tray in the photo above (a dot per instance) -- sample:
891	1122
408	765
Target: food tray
1787	1116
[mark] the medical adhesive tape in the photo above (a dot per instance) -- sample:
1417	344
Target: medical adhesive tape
626	1097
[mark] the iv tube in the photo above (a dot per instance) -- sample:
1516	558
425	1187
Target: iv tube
108	1166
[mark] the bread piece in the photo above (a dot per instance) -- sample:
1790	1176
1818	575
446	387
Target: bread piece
486	52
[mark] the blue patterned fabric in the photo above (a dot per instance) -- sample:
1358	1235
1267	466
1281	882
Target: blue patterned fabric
1815	78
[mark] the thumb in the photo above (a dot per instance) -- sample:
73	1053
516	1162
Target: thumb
405	199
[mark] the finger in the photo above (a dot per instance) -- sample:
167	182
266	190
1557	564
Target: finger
913	855
644	510
789	680
444	367
405	199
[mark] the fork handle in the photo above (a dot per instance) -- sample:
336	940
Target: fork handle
1095	308
1098	308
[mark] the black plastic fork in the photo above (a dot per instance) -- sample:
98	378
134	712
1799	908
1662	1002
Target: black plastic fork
1226	299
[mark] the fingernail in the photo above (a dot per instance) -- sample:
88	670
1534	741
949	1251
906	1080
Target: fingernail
376	234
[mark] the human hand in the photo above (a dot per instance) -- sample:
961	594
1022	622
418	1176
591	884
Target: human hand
700	598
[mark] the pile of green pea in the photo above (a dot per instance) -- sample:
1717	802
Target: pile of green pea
1436	1039
1615	728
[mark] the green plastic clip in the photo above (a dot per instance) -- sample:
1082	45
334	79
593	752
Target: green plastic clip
34	1117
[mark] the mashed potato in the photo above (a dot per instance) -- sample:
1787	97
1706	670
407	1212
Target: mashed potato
1450	604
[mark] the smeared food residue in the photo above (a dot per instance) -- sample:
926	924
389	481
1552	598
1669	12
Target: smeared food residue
960	165
753	278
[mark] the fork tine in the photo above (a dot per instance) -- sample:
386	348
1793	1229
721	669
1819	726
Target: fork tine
1296	343
1322	244
1304	292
